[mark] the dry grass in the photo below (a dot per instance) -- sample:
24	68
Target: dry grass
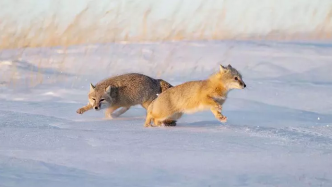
48	32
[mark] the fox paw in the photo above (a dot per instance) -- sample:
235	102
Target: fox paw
80	111
222	119
109	116
159	125
147	125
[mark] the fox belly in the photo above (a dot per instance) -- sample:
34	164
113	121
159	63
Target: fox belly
200	107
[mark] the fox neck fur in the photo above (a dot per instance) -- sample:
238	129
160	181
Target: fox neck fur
216	87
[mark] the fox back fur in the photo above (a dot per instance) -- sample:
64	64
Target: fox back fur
124	91
195	96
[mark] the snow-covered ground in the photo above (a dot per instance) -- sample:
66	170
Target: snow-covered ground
278	131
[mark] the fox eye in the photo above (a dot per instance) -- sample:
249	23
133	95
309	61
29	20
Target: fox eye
102	100
236	78
93	99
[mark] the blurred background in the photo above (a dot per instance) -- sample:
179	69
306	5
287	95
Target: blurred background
35	23
50	40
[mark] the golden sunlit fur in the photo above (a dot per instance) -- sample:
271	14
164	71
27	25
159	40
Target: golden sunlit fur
195	96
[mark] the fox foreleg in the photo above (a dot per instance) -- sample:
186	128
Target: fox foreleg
216	110
84	109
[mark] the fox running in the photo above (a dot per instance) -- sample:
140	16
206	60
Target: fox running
124	91
195	96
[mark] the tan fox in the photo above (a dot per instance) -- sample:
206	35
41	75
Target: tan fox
195	96
124	91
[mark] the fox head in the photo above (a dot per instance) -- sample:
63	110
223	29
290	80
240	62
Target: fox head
100	97
231	78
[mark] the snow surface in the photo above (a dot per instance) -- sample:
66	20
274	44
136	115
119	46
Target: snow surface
278	131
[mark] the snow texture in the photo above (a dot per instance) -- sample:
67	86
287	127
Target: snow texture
278	131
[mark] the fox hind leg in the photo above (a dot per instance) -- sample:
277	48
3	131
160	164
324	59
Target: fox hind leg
109	111
148	120
157	123
120	112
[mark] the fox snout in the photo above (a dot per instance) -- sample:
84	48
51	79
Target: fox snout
243	84
100	105
97	107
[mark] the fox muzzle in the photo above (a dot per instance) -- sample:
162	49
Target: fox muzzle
243	84
97	107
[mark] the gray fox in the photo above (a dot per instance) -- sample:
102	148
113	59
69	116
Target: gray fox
195	96
124	91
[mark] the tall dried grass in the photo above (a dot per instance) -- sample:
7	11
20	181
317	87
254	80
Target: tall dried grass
48	32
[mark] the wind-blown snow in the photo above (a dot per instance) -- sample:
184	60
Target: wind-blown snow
278	131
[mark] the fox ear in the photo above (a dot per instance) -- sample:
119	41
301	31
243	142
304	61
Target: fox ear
92	87
229	66
108	89
222	68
